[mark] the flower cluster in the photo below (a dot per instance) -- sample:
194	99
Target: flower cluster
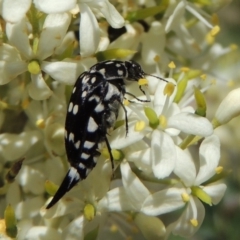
169	159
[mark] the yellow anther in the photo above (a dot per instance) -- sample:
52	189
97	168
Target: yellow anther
2	228
230	83
233	46
215	19
117	155
40	123
114	228
218	169
194	222
163	121
171	65
203	76
142	82
185	197
215	30
89	212
209	39
184	69
169	89
139	126
126	102
25	103
157	58
34	67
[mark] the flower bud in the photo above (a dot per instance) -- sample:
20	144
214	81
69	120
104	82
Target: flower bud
228	109
151	227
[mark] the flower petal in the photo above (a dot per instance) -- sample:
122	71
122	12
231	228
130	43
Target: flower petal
119	140
17	36
152	228
174	17
38	89
142	159
88	31
191	124
185	167
67	72
134	188
31	180
10	70
229	107
29	208
195	210
116	200
14	11
163	201
215	191
163	154
54	29
14	146
54	6
153	43
209	154
75	230
109	12
42	232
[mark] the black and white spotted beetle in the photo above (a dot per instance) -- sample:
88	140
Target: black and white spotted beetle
93	109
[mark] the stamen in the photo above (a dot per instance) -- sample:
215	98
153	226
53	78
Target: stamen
89	212
194	222
185	197
218	169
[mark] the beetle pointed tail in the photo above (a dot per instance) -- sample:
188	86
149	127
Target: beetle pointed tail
71	179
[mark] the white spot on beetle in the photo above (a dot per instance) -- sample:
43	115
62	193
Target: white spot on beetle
65	133
75	109
94	97
102	71
92	125
82	166
77	144
99	108
85	156
88	144
112	90
93	80
85	79
71	137
74	89
70	106
120	72
95	159
84	94
88	170
73	174
118	65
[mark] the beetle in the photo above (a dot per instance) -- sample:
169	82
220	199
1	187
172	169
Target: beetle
92	110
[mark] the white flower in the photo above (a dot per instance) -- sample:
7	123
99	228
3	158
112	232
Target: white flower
191	189
89	34
14	11
159	152
16	61
228	108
